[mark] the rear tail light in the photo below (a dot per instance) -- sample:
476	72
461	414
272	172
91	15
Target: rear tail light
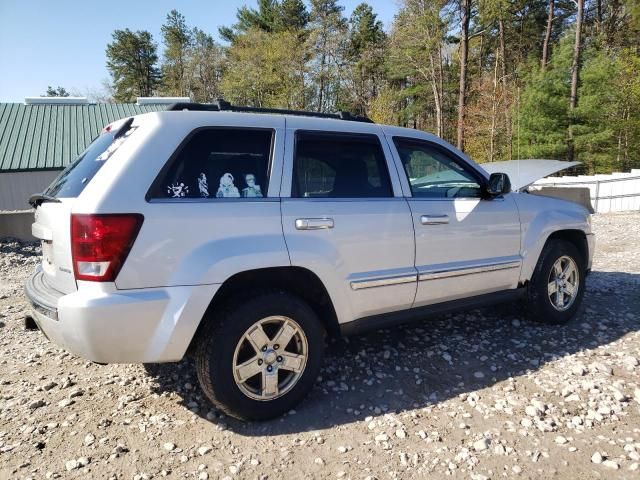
100	244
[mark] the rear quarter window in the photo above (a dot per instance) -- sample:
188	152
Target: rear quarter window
217	163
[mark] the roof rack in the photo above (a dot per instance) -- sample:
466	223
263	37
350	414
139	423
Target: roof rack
222	105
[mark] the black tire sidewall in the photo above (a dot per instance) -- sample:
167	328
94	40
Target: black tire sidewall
220	347
539	305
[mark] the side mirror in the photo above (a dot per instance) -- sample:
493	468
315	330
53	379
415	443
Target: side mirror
499	184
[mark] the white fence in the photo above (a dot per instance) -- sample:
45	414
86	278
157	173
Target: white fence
616	192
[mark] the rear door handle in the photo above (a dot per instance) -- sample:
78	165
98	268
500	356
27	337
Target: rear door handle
434	219
314	223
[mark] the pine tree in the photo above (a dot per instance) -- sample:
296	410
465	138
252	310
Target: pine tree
416	64
543	116
606	120
205	66
132	62
365	54
56	92
177	40
264	18
327	42
292	16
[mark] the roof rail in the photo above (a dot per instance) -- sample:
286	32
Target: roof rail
222	105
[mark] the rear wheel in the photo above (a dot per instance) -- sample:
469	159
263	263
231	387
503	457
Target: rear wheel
259	357
557	286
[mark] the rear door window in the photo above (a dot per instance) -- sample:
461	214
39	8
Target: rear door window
218	163
332	165
73	179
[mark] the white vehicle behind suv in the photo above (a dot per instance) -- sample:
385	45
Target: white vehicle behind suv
245	236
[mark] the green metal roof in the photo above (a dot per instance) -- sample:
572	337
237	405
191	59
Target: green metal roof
50	136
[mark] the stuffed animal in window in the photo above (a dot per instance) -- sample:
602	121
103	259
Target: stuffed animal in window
202	185
227	188
252	189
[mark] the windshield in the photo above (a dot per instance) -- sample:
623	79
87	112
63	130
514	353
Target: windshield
73	179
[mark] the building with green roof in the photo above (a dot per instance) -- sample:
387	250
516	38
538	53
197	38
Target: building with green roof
41	136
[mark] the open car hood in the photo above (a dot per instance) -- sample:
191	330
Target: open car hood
523	173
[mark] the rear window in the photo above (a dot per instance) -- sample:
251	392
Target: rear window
218	163
73	179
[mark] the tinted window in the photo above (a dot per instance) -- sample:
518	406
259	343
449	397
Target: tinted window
339	166
219	163
73	179
433	173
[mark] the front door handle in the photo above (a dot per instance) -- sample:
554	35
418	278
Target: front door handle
314	223
434	219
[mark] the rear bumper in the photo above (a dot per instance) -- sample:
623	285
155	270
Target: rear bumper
120	326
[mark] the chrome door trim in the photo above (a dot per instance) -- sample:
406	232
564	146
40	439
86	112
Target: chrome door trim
461	271
383	282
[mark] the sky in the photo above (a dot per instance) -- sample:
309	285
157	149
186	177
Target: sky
63	42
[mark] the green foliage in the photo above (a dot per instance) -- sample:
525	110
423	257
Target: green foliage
365	53
416	64
306	55
265	70
56	92
326	42
270	16
205	65
292	16
608	115
543	114
366	30
131	60
262	18
177	39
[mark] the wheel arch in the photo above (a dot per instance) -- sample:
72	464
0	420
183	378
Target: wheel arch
577	237
574	236
296	280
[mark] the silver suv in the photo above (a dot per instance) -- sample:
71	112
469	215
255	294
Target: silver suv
245	236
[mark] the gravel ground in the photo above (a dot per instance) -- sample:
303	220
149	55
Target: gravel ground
484	394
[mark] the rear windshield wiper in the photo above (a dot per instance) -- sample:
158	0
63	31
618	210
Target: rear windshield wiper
126	126
37	199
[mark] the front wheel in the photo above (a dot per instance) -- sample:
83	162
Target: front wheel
258	358
557	286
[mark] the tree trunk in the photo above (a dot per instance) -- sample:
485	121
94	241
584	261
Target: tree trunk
437	94
323	61
505	88
494	110
321	90
547	36
575	76
441	88
464	50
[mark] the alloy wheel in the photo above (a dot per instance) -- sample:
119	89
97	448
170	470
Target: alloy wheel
270	358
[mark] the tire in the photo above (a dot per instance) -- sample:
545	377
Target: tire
542	302
225	343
